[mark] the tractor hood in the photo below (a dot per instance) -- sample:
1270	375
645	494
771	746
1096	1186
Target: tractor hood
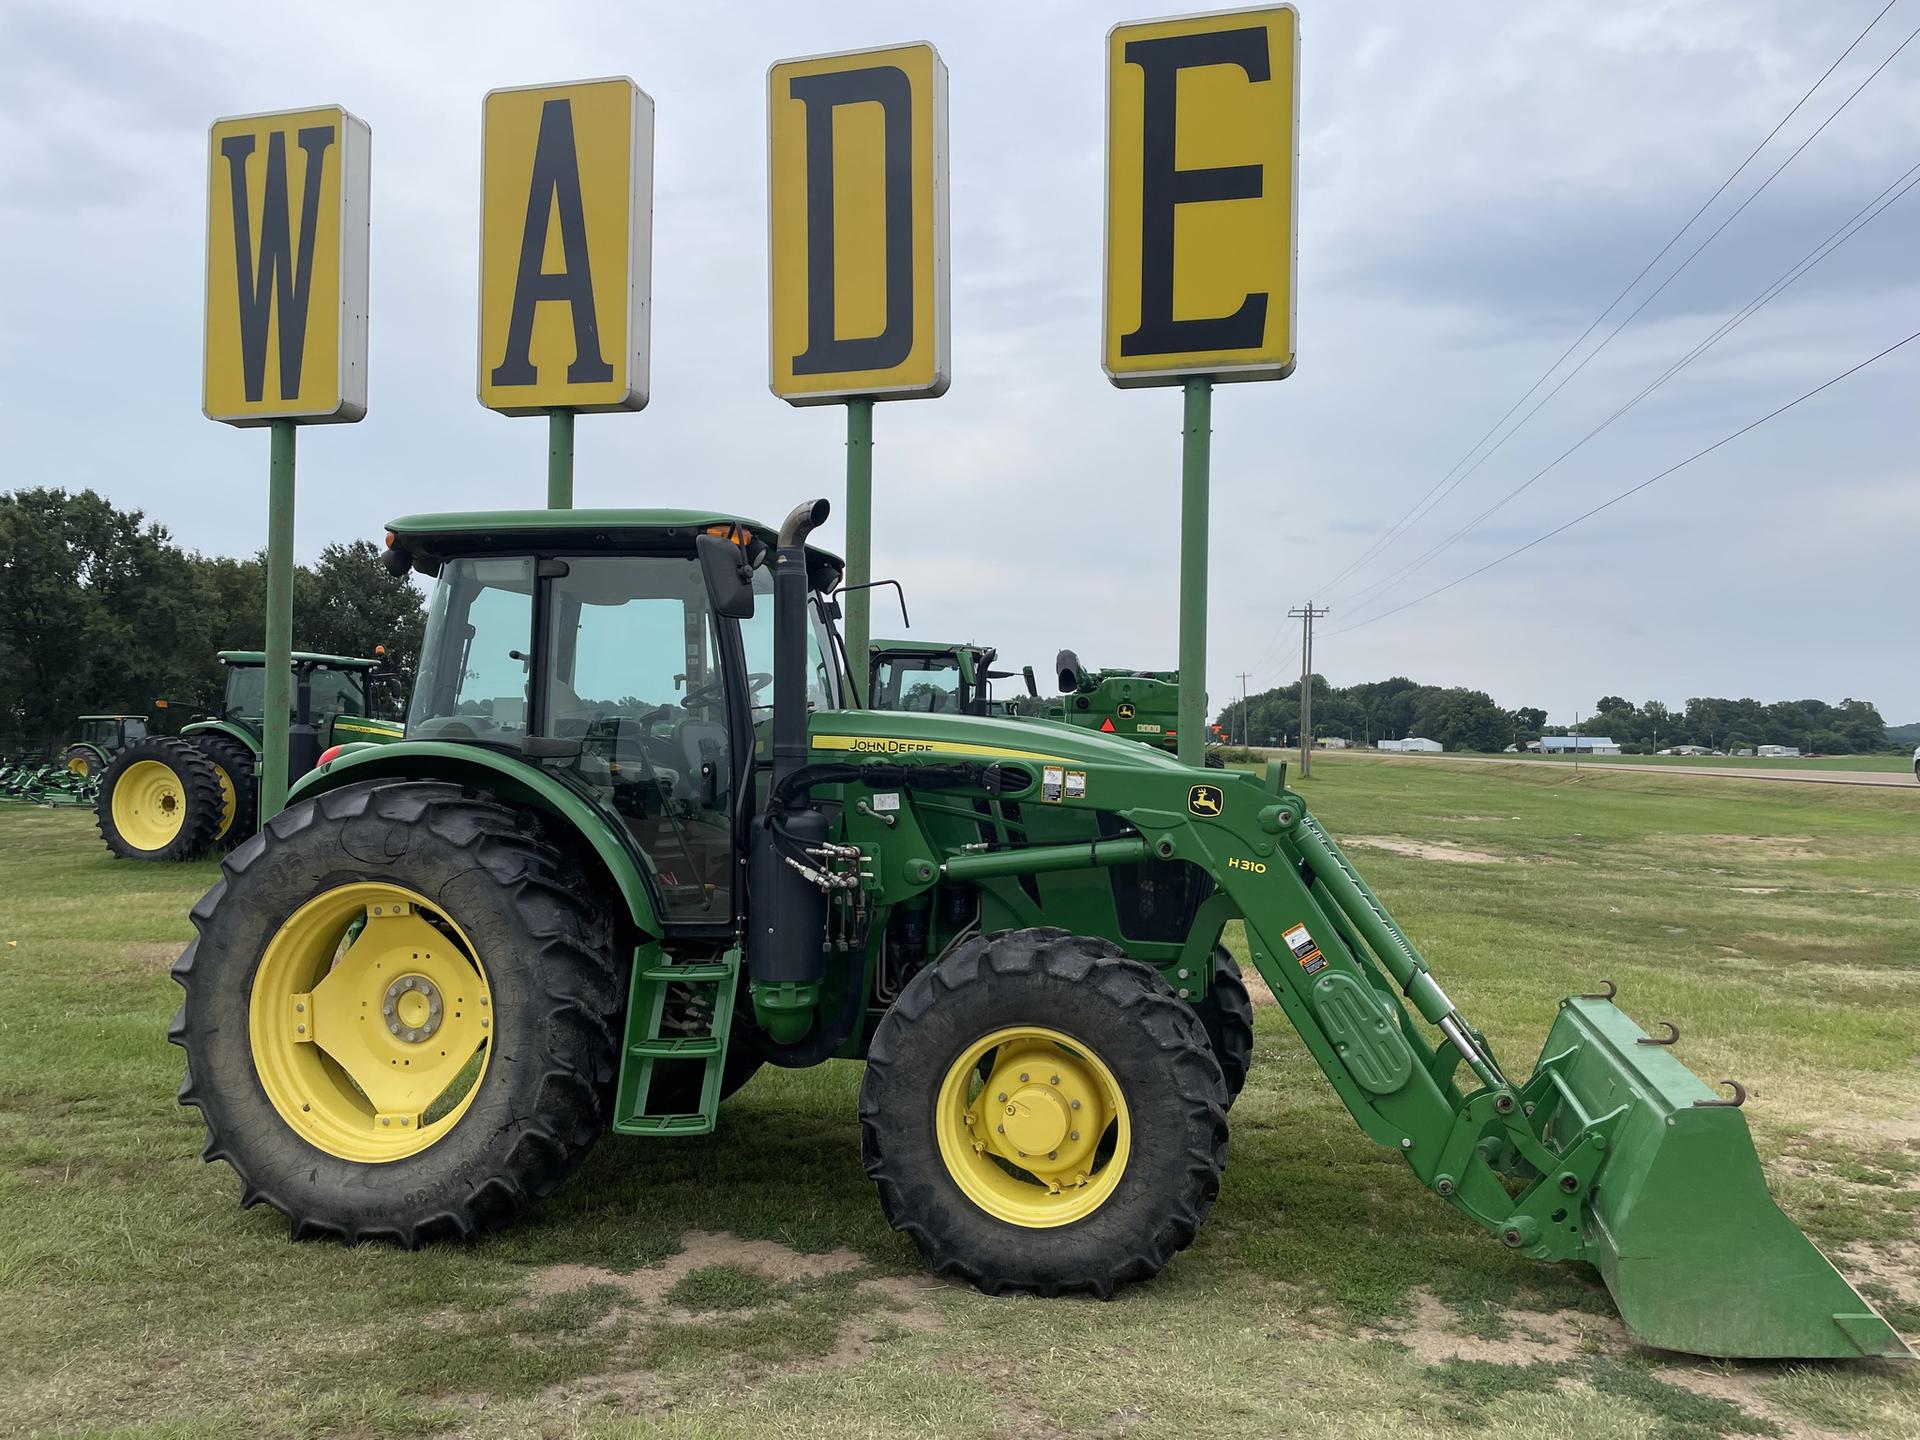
850	734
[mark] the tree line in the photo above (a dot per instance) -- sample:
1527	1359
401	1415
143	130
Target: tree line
102	612
1463	719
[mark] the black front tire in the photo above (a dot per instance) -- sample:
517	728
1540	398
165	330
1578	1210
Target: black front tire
198	798
1227	1016
547	946
1157	1051
1215	761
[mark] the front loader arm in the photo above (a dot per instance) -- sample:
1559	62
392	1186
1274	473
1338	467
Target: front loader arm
1611	1151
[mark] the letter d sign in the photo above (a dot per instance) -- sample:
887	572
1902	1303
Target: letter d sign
857	195
1202	116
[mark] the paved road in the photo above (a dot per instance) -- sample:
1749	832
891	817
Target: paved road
1717	772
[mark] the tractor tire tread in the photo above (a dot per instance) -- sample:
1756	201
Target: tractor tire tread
1226	1014
239	762
562	1096
196	774
1161	1217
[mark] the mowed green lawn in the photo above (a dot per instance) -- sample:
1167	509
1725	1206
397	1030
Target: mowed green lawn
745	1285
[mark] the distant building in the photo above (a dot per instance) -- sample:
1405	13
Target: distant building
1331	742
1577	745
1688	750
1779	752
1415	745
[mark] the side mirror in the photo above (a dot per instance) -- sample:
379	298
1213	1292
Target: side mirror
728	574
1033	686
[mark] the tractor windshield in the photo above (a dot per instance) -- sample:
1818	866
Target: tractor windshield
246	700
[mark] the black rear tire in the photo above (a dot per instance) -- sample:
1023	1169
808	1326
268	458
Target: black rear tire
1227	1016
89	757
1125	1014
195	793
237	761
1215	761
547	947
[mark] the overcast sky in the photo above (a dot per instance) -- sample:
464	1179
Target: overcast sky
1477	181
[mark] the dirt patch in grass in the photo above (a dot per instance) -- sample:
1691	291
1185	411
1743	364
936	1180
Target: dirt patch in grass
700	1250
1766	847
1434	1335
1444	851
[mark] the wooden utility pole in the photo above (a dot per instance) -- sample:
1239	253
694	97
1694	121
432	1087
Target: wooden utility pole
1306	615
1246	737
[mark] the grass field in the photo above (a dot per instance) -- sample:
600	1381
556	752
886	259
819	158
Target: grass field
745	1285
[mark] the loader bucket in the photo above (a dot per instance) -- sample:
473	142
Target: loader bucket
1679	1221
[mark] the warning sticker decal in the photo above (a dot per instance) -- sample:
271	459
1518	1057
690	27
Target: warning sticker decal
1304	950
1076	784
1052	780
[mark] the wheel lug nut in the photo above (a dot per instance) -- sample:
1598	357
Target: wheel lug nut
1001	1128
1073	1135
1002	1097
1073	1104
1053	1154
1023	1077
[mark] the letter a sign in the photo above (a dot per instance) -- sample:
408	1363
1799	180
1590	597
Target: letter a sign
857	194
566	233
1202	114
287	268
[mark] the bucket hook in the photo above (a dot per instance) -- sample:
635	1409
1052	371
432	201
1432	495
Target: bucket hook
1672	1037
1739	1098
1611	991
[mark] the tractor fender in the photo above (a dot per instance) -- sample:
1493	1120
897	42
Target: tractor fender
507	777
239	733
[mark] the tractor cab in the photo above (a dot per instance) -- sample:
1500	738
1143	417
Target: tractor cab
932	676
335	699
595	645
1141	705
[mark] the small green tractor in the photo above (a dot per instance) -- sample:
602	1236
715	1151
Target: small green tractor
632	848
101	738
934	676
165	797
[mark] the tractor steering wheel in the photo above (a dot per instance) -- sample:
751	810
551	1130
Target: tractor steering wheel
715	690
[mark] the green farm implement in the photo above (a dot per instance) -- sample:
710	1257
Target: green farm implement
37	783
633	848
168	797
1141	705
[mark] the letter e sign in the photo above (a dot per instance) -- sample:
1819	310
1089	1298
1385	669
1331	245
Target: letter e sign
1202	118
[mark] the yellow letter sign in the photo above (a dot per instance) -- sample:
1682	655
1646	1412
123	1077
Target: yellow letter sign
287	268
1202	116
857	195
566	234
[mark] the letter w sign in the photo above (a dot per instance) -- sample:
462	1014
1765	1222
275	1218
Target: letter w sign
1202	116
286	330
566	234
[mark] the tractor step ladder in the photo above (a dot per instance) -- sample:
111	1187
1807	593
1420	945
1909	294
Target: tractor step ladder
653	976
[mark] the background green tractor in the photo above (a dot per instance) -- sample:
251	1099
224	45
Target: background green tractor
633	848
935	676
101	738
1141	705
177	797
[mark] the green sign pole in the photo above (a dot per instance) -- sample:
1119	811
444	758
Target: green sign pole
1196	440
279	641
859	538
560	459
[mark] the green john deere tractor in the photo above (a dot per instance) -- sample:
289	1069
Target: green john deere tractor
169	797
1141	705
101	738
632	848
935	676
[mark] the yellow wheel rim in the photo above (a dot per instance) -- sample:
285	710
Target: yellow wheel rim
370	1021
149	805
78	765
1044	1139
229	801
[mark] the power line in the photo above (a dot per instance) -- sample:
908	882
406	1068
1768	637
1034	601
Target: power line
1857	222
1636	489
1400	525
1655	293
